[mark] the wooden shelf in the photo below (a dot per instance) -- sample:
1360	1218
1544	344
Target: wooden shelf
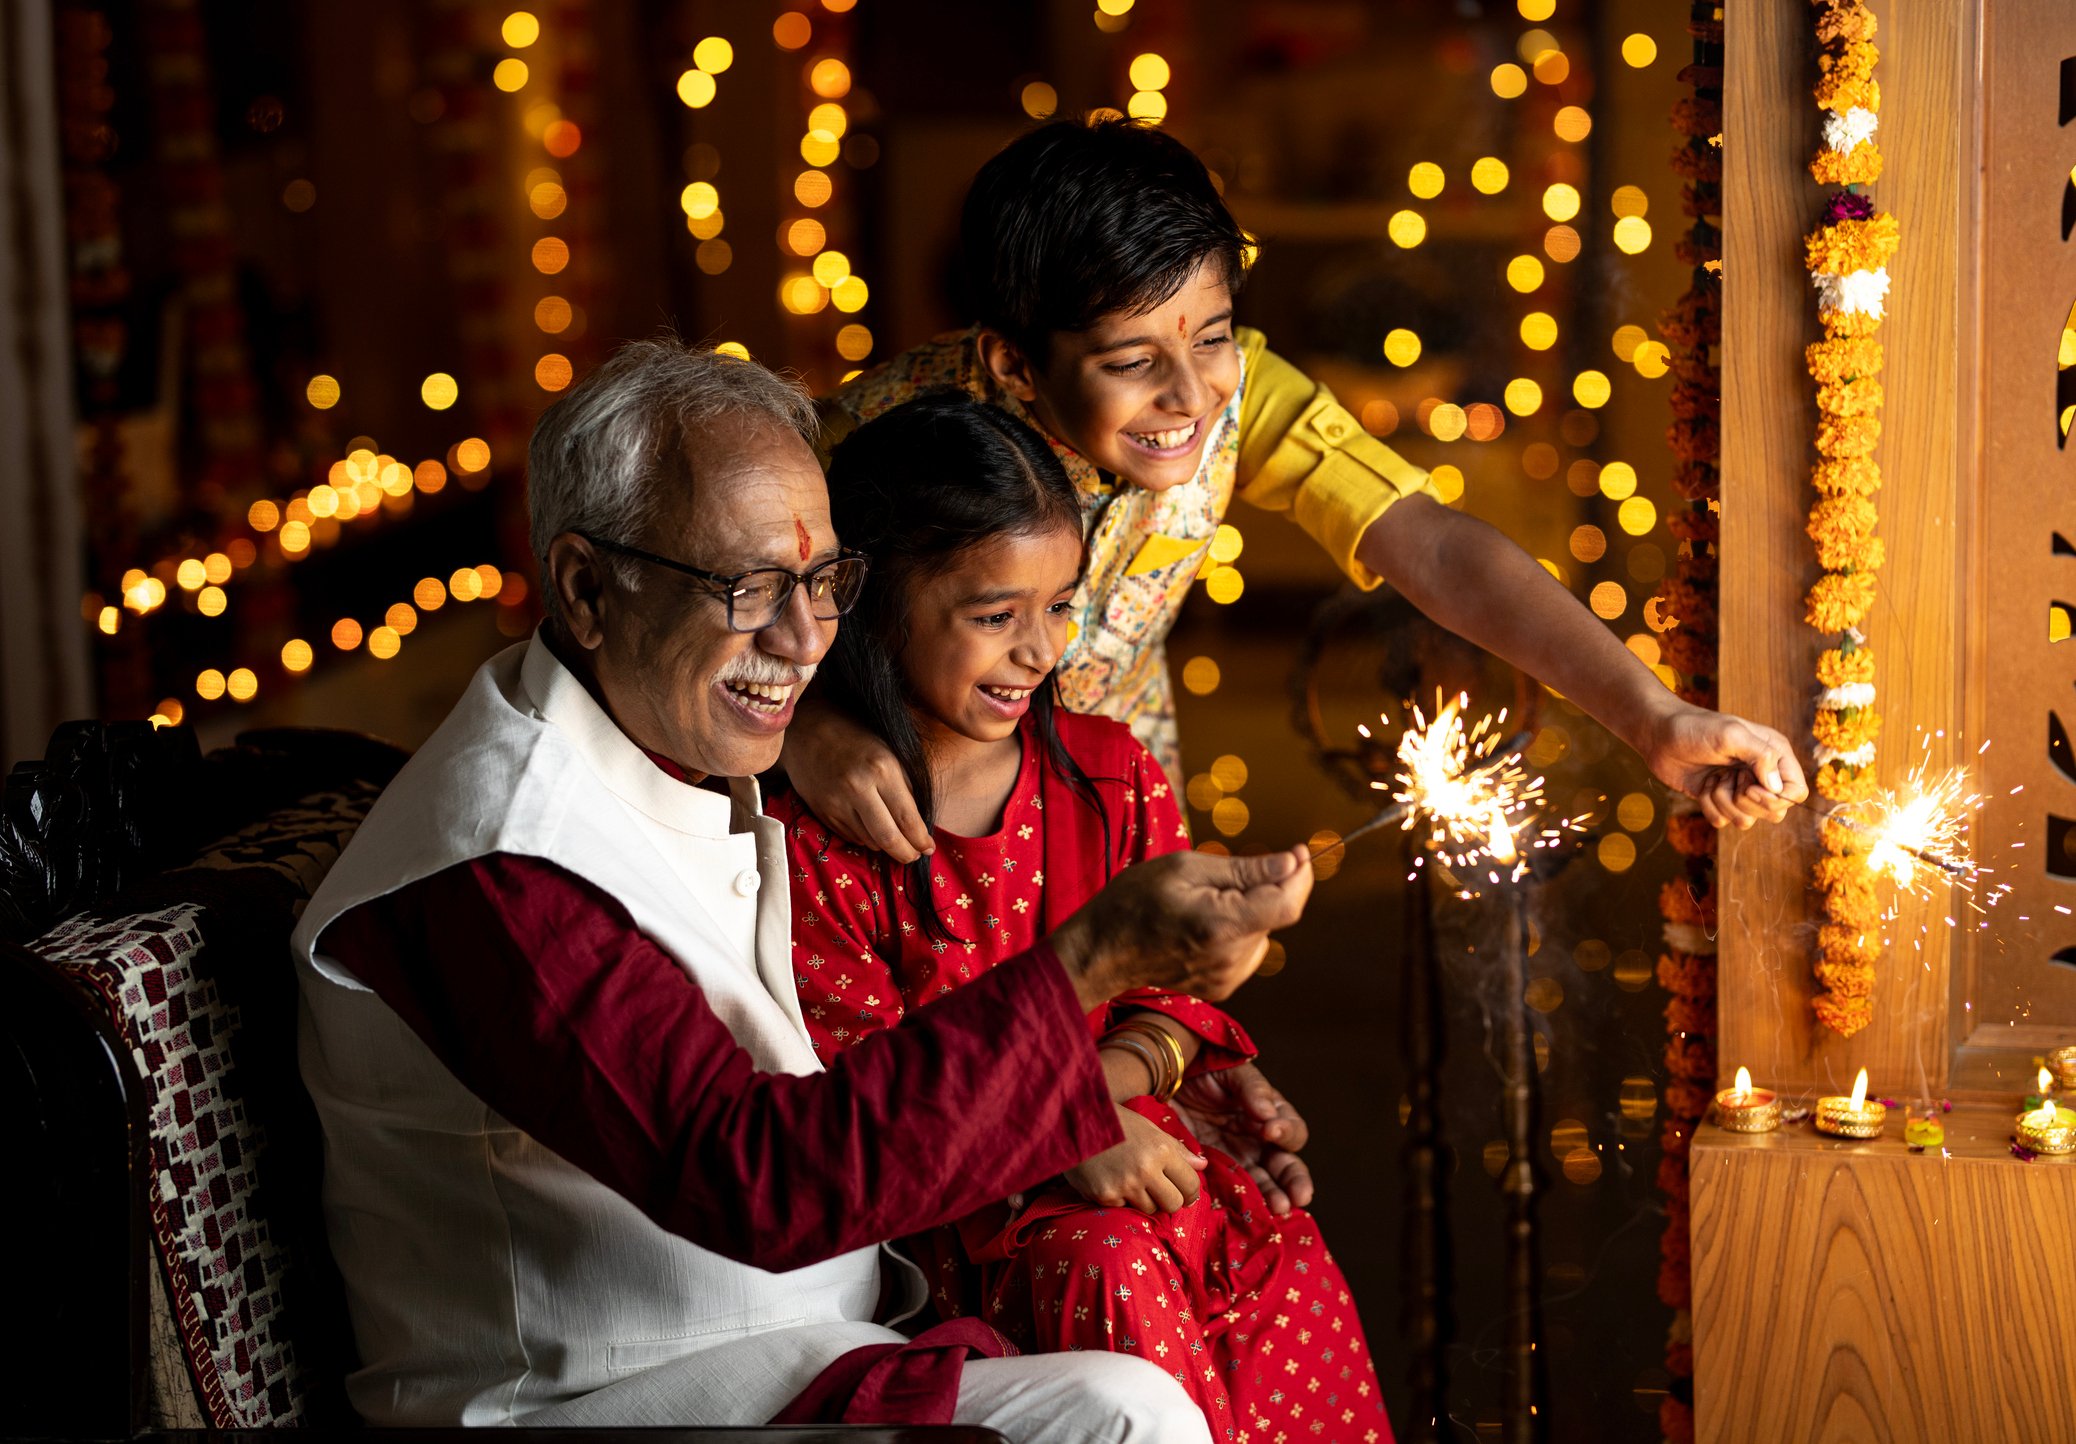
1860	1291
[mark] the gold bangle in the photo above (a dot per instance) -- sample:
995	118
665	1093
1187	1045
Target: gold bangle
1170	1050
1139	1051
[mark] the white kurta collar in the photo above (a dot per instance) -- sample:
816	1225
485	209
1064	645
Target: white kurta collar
561	699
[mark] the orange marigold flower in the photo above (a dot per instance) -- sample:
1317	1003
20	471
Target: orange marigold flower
1840	600
1843	529
1846	729
1692	1059
1685	1015
1690	834
1698	116
1847	435
1697	480
1844	22
1849	323
1849	972
1695	524
1698	162
1836	358
1856	474
1840	840
1859	166
1675	1289
1841	247
1844	1016
1839	783
1688	1099
1686	974
1839	668
1860	396
1850	901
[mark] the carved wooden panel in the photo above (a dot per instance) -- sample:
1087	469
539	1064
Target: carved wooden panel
2020	983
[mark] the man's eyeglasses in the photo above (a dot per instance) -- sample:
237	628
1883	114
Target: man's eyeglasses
758	598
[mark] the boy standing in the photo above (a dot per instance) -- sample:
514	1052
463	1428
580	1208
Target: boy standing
1103	264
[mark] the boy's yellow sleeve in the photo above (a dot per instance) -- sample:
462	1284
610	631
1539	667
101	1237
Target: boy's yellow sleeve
1302	453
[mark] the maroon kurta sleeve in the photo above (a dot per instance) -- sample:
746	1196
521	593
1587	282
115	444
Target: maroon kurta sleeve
537	990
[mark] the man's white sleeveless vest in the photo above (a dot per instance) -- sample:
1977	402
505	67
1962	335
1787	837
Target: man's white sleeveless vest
488	1277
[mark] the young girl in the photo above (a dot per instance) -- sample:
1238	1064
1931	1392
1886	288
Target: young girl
1159	1246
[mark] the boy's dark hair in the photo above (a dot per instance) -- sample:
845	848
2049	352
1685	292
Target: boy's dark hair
911	489
1073	221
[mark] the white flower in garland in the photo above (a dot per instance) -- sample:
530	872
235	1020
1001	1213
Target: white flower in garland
1863	291
1860	756
1852	694
1686	938
1844	131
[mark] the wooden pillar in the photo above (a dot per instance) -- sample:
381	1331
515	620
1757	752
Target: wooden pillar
1860	1291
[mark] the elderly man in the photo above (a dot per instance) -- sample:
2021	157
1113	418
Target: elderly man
582	1166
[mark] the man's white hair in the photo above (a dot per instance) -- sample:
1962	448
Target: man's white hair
610	450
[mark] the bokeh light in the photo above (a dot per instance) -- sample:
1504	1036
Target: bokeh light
1488	175
1401	346
1509	81
713	55
439	391
1524	273
1426	180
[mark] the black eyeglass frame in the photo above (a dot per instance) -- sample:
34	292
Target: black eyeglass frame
727	586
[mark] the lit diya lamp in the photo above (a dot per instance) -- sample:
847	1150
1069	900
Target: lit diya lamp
1854	1117
2050	1128
2061	1062
1745	1109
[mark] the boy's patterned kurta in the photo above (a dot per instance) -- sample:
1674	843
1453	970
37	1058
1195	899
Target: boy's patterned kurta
1282	443
1247	1310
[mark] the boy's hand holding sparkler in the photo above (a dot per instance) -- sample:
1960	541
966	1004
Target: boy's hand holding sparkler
1740	772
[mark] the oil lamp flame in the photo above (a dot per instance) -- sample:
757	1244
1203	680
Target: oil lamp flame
1860	1091
1744	1083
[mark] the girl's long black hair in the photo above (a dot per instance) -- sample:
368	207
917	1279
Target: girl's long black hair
912	488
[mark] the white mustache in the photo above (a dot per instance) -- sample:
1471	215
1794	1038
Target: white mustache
755	669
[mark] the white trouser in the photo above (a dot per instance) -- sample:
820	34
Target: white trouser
1081	1398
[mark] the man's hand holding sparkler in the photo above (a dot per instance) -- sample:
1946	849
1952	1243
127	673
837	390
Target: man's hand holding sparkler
1740	772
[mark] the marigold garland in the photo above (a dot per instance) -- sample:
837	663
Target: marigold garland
1847	256
1686	605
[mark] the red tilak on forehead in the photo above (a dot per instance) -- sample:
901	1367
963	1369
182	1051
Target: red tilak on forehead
800	535
1182	325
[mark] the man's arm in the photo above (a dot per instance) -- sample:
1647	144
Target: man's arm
1471	579
539	993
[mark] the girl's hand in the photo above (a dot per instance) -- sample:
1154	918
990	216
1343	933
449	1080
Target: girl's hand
853	783
1150	1171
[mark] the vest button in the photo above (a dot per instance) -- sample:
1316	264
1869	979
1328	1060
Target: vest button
747	882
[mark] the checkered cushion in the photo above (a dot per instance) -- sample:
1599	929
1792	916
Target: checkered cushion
202	992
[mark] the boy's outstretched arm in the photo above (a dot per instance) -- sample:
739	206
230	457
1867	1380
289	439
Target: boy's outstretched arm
1471	579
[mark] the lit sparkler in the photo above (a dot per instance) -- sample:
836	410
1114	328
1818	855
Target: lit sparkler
1918	833
1467	784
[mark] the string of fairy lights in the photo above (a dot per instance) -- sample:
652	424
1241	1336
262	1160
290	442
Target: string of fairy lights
367	484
